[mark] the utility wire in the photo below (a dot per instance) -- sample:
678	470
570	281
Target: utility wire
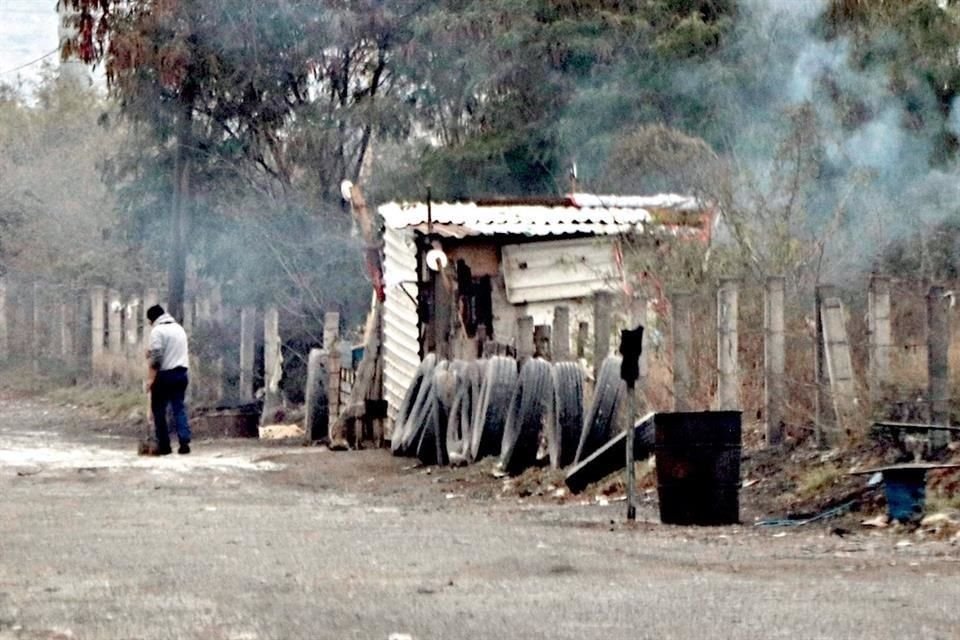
32	62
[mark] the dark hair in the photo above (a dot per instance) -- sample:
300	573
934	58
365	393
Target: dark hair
154	312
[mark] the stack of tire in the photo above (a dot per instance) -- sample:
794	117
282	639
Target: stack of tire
459	412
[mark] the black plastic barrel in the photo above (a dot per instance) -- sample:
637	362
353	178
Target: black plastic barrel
698	467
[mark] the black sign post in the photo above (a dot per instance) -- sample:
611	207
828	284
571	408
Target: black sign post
631	346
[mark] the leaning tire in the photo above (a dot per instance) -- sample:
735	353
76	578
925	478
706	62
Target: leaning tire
460	419
423	411
317	420
566	425
491	414
433	443
424	373
529	407
599	424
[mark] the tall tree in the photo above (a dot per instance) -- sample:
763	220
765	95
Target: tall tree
251	89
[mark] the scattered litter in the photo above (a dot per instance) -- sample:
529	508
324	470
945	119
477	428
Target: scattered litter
560	493
797	522
281	432
452	496
400	636
877	522
602	501
749	483
936	518
781	534
28	472
904	543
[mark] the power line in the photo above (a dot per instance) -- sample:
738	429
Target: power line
32	62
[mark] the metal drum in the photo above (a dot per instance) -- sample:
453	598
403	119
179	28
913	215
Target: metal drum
698	467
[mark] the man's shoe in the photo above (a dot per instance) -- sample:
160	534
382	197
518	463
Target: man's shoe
184	448
164	451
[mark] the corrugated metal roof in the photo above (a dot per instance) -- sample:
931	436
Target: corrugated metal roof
517	219
573	214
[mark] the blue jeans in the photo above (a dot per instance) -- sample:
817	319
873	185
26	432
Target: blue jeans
170	387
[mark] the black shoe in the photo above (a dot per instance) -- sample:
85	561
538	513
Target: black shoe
184	448
164	451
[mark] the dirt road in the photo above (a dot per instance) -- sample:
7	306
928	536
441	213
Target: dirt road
245	540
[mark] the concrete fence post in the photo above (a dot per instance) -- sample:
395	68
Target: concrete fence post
881	340
115	334
682	348
525	344
272	360
217	318
583	336
132	341
561	333
35	328
4	332
97	330
541	341
602	328
938	363
331	344
248	315
826	423
774	358
67	319
728	366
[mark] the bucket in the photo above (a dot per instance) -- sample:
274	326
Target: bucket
698	467
905	490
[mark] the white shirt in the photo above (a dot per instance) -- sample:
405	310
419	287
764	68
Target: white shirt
168	344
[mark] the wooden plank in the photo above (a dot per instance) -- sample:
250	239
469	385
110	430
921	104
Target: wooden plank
840	373
612	457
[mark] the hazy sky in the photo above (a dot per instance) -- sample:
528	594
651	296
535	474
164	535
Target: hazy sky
28	30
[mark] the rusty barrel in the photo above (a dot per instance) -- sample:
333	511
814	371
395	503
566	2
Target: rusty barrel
698	467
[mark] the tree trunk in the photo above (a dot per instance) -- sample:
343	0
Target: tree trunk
180	205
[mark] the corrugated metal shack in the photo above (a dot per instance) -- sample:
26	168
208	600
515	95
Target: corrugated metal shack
506	258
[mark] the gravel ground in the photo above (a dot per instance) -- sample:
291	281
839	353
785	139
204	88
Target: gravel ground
244	540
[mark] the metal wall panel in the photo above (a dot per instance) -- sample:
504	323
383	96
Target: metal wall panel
559	269
401	340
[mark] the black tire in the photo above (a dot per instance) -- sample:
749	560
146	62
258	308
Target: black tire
529	407
460	419
424	372
491	413
423	411
426	445
601	419
317	421
445	385
566	425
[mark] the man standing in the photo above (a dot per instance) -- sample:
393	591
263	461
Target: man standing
167	379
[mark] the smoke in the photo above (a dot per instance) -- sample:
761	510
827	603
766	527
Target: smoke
875	144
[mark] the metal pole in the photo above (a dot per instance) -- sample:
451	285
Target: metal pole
631	347
631	472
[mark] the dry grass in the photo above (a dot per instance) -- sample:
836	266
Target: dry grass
109	401
938	501
817	480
